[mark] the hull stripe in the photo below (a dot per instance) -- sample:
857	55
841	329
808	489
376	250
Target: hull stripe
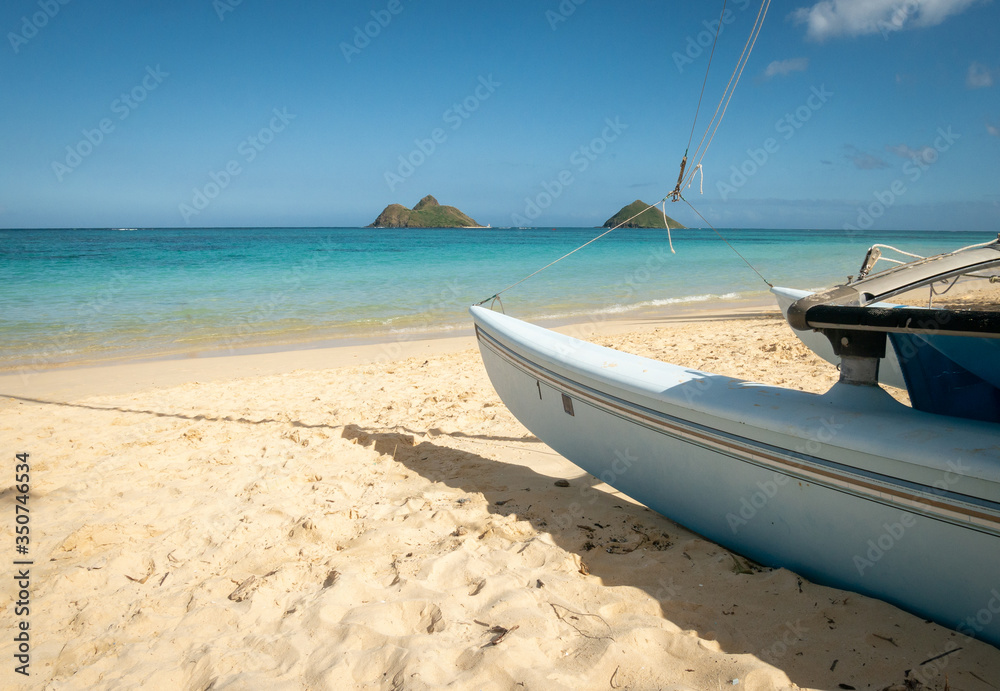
970	512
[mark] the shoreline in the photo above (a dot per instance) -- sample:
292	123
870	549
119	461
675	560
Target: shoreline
120	375
316	336
142	371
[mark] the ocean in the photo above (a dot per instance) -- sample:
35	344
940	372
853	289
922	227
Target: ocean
75	296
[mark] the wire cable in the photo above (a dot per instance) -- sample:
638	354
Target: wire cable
589	242
745	260
727	95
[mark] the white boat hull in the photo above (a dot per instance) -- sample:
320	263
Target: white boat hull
889	371
849	489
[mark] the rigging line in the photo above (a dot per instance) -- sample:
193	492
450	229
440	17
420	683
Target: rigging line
730	89
694	123
736	69
676	193
727	95
758	27
697	110
589	242
745	260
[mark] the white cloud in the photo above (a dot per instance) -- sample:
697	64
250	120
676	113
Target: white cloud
979	76
784	67
833	18
993	129
928	154
863	160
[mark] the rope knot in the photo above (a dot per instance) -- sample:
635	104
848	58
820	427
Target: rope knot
676	194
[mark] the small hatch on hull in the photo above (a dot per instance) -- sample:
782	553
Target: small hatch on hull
568	405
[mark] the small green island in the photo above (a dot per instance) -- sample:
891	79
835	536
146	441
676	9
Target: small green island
428	213
651	218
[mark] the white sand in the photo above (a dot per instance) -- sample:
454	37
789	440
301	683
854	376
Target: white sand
377	525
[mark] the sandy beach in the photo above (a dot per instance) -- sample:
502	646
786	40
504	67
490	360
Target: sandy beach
248	441
373	517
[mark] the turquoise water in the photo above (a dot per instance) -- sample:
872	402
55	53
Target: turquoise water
82	295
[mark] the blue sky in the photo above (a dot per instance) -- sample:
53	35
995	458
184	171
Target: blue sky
877	114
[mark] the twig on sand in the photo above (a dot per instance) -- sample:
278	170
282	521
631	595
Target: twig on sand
973	674
247	587
500	633
887	639
740	568
580	614
243	590
938	657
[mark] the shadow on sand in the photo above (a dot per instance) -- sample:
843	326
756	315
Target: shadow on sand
760	611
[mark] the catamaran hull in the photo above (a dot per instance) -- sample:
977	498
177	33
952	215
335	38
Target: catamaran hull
889	371
815	484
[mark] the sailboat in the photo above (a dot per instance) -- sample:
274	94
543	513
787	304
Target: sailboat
849	488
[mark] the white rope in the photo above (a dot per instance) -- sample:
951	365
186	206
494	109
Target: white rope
701	180
933	290
918	256
727	95
670	240
981	244
896	249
